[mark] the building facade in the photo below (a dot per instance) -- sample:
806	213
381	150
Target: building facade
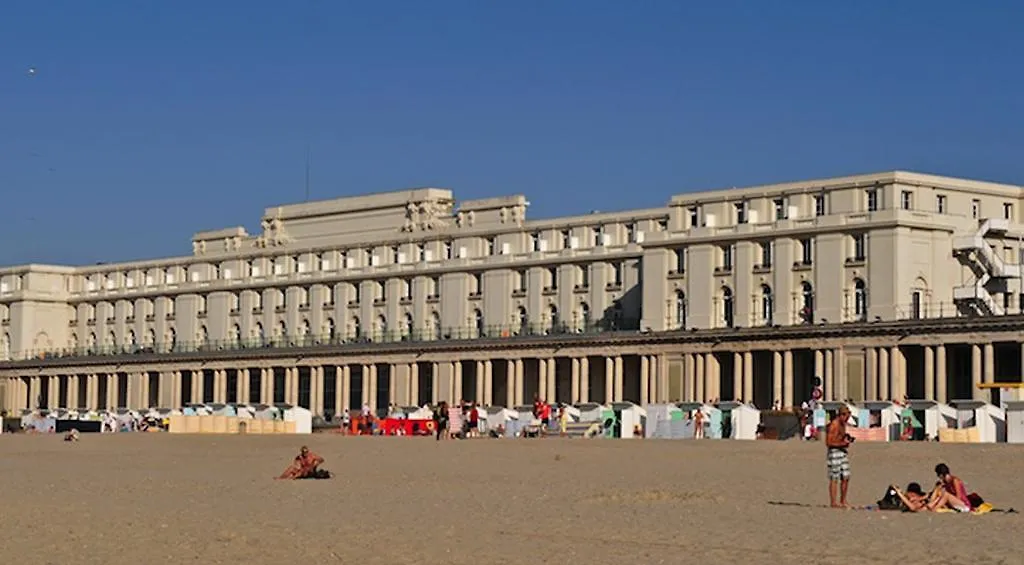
868	282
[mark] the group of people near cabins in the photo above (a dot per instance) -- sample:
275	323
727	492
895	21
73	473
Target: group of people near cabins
949	493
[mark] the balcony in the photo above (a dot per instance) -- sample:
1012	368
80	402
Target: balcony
257	311
856	261
129	320
550	290
762	269
802	266
405	300
676	273
433	298
379	301
581	288
519	293
613	286
723	270
279	309
150	317
169	316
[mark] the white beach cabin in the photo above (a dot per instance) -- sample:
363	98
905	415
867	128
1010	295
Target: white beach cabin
985	422
934	416
738	420
302	417
1015	421
664	421
877	420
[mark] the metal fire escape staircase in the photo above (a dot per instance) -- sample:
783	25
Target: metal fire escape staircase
990	271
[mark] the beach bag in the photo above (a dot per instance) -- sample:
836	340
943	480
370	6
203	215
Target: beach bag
975	500
891	501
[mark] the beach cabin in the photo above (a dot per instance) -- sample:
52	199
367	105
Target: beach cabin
302	418
925	419
664	421
976	422
738	420
688	409
628	418
1015	421
877	420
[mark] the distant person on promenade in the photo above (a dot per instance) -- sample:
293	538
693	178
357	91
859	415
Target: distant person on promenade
304	466
838	444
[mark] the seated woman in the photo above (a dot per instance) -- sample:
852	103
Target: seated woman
914	499
950	491
304	466
71	435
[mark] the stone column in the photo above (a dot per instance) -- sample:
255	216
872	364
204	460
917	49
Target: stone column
828	381
710	375
929	372
510	383
542	379
93	390
609	380
113	384
883	374
819	364
899	377
748	376
777	378
72	397
655	392
177	388
787	379
414	384
989	374
699	371
940	373
317	400
345	390
975	371
34	390
576	381
53	393
737	376
242	392
365	376
645	380
479	394
618	378
373	388
519	383
553	381
488	383
584	379
393	384
871	374
266	385
435	382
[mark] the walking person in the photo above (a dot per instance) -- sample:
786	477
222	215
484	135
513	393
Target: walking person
838	456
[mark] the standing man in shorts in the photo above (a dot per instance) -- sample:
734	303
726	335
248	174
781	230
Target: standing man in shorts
838	442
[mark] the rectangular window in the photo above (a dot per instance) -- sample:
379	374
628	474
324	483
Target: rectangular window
521	281
940	204
806	251
859	247
694	217
617	274
727	257
741	212
584	274
819	205
872	200
680	266
780	208
448	250
553	279
491	246
907	200
1008	211
766	254
535	242
566	239
631	233
975	209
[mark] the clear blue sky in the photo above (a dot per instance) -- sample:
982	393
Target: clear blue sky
148	121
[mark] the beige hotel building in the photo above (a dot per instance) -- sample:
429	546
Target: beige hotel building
885	286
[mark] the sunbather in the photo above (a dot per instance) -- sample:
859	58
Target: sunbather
914	499
304	466
950	491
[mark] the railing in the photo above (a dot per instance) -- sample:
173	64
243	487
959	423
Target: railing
312	341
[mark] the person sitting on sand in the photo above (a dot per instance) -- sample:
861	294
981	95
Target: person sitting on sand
71	435
304	466
950	491
914	499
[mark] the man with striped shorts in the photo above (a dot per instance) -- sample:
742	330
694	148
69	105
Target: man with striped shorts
838	443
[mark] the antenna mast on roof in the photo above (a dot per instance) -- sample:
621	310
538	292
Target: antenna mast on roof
307	172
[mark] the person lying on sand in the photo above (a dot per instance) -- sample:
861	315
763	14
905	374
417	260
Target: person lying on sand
914	499
304	466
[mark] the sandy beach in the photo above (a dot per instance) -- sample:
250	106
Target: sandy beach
138	498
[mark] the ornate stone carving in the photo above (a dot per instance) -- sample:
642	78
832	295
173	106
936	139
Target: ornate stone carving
425	216
198	247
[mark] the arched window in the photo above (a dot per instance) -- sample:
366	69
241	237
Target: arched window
680	309
435	325
357	328
584	316
129	310
767	305
524	320
258	333
382	328
111	340
130	340
556	323
236	334
204	335
478	323
807	302
172	338
304	328
151	337
727	307
329	329
860	300
282	330
408	326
